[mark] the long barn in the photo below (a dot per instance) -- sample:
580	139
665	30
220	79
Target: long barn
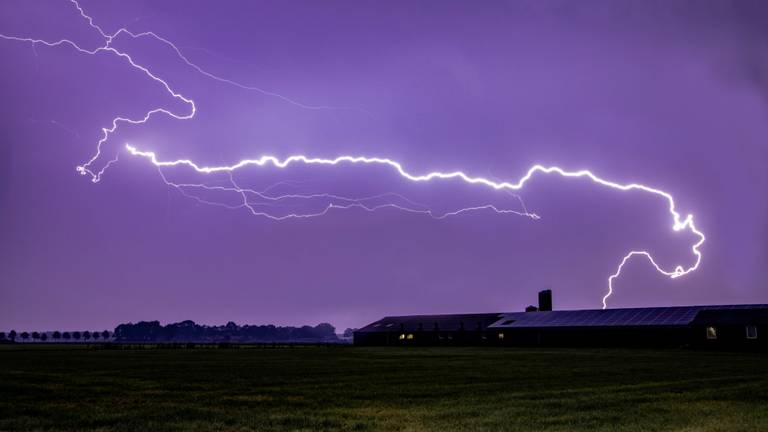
714	326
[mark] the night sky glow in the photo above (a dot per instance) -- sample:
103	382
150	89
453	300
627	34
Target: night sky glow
388	127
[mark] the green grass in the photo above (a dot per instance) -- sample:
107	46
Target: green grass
348	388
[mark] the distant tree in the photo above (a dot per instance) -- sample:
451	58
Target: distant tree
105	334
56	335
76	335
95	335
86	335
44	337
142	331
25	336
12	335
35	335
2	335
325	331
184	331
66	336
348	333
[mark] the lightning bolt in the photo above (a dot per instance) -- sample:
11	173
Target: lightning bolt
679	222
266	200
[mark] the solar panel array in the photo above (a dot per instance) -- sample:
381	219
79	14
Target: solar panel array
655	316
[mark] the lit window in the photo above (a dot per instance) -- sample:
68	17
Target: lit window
501	335
402	336
711	333
410	336
751	332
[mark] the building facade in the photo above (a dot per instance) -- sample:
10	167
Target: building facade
739	327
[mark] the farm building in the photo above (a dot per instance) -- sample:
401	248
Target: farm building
717	327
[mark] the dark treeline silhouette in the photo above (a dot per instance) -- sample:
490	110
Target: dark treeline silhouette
55	336
189	331
186	332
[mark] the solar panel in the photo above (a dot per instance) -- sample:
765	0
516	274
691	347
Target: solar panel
655	316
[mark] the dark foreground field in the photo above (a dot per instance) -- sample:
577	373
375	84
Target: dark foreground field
314	388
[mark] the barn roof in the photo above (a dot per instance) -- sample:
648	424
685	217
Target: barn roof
652	316
732	317
451	322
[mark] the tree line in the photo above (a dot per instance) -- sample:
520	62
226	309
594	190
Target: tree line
56	336
186	331
189	331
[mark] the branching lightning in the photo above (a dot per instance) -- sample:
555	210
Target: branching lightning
261	202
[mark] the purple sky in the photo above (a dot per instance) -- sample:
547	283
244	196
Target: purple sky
672	94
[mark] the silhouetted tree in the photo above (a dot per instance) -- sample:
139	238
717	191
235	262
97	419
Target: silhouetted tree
142	331
325	331
12	335
105	335
25	336
185	331
44	337
2	335
35	336
56	335
349	332
95	335
66	336
86	335
76	335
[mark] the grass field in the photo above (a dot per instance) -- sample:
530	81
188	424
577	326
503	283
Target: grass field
348	388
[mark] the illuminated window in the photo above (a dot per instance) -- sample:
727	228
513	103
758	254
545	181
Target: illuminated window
501	335
402	336
711	333
410	336
751	332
